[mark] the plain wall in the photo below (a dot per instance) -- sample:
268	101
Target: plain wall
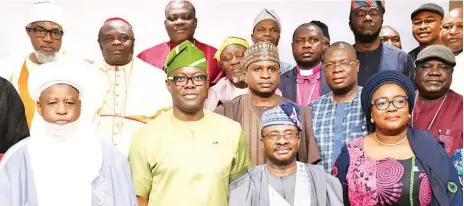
217	19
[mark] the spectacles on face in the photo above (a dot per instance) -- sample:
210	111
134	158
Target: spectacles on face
373	13
122	38
344	65
41	32
198	80
382	104
286	135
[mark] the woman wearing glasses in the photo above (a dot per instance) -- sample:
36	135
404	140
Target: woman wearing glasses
395	164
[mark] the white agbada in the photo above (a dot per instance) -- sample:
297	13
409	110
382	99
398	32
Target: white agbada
134	94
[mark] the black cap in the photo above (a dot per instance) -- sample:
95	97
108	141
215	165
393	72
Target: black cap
323	27
429	7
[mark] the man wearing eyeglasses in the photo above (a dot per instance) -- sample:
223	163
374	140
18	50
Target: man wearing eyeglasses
135	90
262	76
426	23
44	26
338	116
284	181
365	21
180	25
187	155
303	84
437	107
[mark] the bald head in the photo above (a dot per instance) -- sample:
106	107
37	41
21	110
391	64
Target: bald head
390	36
451	30
116	40
179	4
341	68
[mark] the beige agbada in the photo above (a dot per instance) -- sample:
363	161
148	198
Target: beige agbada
134	94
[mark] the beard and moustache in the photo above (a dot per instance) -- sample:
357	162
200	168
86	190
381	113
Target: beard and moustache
238	78
44	58
365	38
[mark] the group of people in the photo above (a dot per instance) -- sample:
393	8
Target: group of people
183	123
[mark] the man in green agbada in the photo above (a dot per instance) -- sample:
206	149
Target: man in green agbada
187	156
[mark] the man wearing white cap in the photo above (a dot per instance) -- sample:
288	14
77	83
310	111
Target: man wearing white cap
266	27
44	27
64	162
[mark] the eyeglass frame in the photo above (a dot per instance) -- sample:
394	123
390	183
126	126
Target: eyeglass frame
172	78
282	135
33	29
390	102
339	64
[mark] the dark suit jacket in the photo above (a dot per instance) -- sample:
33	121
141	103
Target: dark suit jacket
288	84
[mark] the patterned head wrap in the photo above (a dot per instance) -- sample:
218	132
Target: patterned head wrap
284	114
262	51
379	79
355	4
229	41
185	55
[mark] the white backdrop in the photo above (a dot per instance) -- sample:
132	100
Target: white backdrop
216	20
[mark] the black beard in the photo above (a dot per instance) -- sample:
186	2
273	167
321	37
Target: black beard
365	38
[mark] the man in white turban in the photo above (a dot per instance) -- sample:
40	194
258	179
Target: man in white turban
64	162
44	26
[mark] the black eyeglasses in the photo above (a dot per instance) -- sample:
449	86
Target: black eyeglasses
41	32
383	104
198	80
286	135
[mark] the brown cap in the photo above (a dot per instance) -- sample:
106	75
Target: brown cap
262	51
429	7
436	51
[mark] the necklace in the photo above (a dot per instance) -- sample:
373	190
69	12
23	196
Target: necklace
434	117
388	144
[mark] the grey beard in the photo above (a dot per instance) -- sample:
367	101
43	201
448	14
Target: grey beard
238	79
43	58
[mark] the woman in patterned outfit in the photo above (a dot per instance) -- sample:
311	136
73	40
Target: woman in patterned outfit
395	164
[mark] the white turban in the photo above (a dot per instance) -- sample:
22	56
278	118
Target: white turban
266	14
46	11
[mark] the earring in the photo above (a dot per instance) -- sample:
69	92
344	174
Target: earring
372	121
409	116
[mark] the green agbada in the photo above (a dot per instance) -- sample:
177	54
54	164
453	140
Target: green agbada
185	55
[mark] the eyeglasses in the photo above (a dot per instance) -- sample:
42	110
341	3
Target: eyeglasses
302	80
41	32
343	65
286	135
427	22
383	104
121	38
198	80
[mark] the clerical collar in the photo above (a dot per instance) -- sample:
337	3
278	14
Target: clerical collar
309	72
118	68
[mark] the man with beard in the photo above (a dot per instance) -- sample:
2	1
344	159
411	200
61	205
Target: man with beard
135	90
187	156
266	27
437	107
366	20
390	36
262	77
426	22
338	116
45	29
180	24
303	84
451	35
284	181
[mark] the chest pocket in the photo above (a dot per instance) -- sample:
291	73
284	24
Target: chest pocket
216	158
358	131
452	139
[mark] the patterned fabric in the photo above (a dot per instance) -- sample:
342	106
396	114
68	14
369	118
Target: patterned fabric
355	4
323	112
284	114
385	182
457	161
185	55
266	14
262	51
229	41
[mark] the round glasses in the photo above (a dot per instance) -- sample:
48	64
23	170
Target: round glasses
383	104
198	80
41	32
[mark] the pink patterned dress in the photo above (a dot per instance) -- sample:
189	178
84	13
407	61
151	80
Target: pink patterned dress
369	182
